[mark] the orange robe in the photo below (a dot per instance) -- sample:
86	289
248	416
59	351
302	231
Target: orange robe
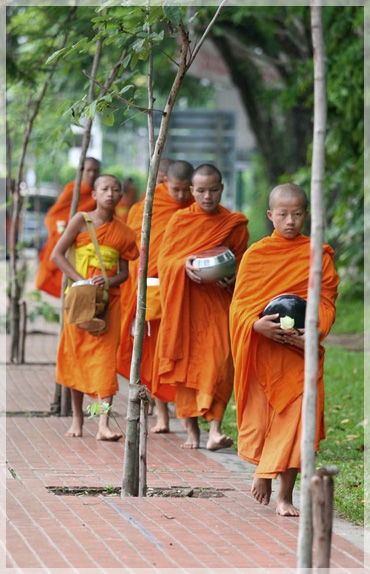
164	206
193	356
85	362
49	276
269	377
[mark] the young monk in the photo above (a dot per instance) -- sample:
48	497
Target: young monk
164	164
269	362
87	363
49	277
170	196
193	357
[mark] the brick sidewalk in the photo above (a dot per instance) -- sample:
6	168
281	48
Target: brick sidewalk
45	530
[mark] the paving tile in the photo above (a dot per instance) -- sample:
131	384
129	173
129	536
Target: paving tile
153	533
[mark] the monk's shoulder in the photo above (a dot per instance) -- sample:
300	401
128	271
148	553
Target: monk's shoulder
123	228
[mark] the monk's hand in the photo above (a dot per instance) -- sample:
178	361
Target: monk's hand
226	281
98	280
267	327
295	338
189	269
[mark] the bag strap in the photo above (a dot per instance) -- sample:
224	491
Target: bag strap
91	229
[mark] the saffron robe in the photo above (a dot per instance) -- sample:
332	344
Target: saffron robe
49	276
270	267
164	206
85	362
193	347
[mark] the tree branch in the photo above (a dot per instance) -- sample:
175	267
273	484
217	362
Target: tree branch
117	96
205	34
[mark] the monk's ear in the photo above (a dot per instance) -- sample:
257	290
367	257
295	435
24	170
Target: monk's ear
269	214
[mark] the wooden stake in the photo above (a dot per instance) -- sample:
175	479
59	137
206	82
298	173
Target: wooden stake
322	486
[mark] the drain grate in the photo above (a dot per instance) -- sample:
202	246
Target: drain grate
173	491
26	414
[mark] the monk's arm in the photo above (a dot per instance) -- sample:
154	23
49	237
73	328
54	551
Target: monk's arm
268	328
116	280
189	269
58	256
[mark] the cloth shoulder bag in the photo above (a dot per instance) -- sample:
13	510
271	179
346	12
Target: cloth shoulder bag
86	304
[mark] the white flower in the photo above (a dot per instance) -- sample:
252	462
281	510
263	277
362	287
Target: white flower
61	225
286	322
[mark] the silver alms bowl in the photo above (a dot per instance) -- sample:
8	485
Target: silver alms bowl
214	264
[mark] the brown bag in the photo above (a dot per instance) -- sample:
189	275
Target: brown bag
86	304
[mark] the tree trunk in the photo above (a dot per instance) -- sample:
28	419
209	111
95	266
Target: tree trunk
314	290
63	396
61	404
186	59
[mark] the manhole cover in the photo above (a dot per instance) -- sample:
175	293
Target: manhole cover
173	491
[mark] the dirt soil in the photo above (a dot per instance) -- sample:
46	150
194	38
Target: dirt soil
173	491
352	342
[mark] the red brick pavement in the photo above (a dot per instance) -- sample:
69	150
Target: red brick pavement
45	530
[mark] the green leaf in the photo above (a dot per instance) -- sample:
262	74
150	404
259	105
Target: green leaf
126	61
55	55
173	14
108	119
91	110
126	88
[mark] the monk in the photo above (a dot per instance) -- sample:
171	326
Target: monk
193	356
164	164
269	361
49	277
87	363
169	197
129	197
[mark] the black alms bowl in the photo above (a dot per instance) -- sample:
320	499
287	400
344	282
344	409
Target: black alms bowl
287	304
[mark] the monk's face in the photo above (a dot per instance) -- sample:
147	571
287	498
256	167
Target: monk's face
161	177
288	215
179	189
90	172
207	191
107	192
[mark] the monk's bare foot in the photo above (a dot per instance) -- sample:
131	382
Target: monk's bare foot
286	508
192	428
223	441
160	427
107	434
261	490
75	430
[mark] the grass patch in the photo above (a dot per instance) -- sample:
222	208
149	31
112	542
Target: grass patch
344	443
350	316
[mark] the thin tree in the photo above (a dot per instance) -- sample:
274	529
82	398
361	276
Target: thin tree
130	482
33	108
62	401
314	290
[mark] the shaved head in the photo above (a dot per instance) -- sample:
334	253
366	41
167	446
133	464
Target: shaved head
207	169
287	190
180	170
164	164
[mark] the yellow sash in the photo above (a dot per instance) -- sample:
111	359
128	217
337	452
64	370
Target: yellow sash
86	257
